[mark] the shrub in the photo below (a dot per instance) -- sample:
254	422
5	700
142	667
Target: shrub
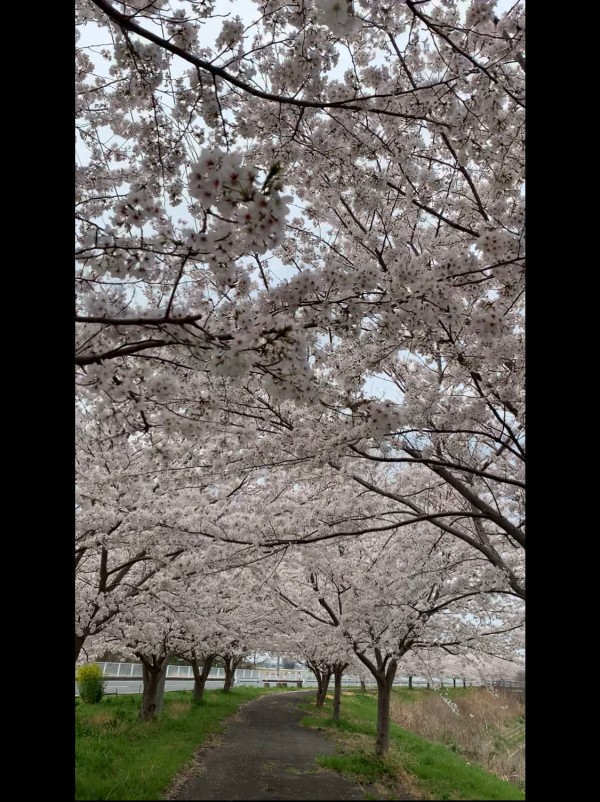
90	683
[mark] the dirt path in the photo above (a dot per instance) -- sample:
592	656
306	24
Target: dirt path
266	754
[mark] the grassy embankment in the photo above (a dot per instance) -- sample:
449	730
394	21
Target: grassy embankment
425	769
117	756
120	757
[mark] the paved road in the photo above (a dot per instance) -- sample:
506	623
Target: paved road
265	754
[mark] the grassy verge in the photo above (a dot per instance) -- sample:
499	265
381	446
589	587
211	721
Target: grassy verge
484	726
117	756
424	769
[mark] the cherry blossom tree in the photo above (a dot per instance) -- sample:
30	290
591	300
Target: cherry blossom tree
300	328
409	226
150	632
410	594
118	551
324	652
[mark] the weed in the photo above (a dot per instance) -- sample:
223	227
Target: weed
90	683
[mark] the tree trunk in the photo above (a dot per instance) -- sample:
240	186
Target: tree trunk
338	671
363	687
319	685
322	675
326	677
231	663
464	683
79	641
154	688
200	676
454	681
410	679
228	675
160	694
384	672
382	743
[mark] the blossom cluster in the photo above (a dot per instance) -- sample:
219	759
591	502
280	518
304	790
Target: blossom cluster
245	215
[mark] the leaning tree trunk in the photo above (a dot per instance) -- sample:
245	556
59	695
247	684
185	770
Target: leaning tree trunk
228	684
231	664
79	641
154	675
322	676
319	684
322	694
338	670
200	676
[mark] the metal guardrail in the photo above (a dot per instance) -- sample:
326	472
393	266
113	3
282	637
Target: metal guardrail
249	676
130	677
508	686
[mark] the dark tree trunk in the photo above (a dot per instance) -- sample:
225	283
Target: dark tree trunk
228	684
428	685
231	663
79	641
319	685
454	681
154	675
363	687
384	671
382	744
464	683
410	679
323	675
338	670
325	678
200	676
160	696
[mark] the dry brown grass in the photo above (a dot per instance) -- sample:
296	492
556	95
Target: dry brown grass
101	718
488	730
178	709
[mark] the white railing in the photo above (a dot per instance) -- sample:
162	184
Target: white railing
253	676
127	678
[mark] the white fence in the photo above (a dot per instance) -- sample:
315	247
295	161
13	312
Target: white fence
243	676
127	678
254	676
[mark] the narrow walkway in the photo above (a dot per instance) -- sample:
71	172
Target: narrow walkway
266	754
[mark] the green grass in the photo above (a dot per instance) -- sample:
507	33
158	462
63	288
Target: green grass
118	756
426	769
